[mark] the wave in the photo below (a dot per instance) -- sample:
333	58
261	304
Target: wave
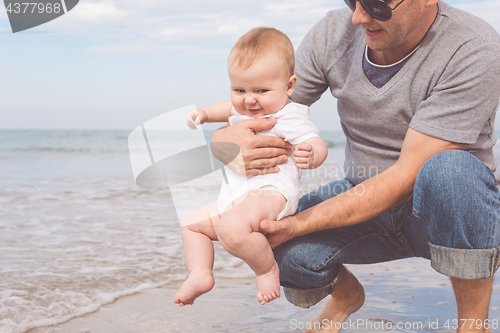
67	301
334	144
70	150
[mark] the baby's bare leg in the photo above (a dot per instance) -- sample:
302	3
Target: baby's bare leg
198	231
239	234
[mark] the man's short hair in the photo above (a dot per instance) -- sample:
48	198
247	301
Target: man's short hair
259	42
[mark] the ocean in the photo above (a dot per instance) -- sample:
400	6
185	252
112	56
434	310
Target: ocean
76	232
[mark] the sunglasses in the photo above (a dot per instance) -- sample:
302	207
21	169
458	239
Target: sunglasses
377	9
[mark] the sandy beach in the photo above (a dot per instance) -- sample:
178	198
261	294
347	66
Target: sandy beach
402	296
85	250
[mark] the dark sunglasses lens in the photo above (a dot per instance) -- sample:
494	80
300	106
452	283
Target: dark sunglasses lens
379	10
351	4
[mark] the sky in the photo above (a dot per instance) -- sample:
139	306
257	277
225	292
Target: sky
116	64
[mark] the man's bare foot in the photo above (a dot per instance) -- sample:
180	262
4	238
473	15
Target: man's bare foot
347	298
268	285
198	283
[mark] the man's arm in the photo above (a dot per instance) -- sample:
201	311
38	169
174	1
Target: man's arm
374	196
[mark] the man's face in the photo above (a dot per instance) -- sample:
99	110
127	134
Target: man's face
401	33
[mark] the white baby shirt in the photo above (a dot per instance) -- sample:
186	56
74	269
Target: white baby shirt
293	125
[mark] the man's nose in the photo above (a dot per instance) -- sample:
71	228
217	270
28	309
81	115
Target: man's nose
359	15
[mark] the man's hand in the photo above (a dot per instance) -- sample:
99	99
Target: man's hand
278	232
259	154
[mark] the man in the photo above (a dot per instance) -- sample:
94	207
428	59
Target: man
418	85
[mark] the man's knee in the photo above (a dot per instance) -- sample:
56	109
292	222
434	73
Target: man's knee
457	201
451	180
452	170
301	267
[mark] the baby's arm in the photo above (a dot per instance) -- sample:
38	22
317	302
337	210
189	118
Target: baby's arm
310	154
214	113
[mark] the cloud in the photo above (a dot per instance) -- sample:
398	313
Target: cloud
185	28
193	28
196	28
95	12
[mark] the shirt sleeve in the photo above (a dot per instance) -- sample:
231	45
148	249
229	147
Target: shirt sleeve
311	83
296	127
465	97
324	56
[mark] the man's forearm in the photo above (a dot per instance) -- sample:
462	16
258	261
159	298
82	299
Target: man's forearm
378	194
363	202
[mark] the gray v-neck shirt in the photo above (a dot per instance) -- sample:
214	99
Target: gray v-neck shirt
449	88
380	75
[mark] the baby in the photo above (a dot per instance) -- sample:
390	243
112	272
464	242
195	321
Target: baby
260	67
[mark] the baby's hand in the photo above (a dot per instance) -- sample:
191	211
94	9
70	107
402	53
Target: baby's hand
304	156
196	117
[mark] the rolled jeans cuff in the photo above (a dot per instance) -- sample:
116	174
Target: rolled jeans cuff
466	264
305	298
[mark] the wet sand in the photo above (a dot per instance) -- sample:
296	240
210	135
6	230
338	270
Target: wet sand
401	296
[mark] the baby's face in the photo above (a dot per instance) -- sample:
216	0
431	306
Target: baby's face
261	89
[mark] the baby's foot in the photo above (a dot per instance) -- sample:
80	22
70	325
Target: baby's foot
268	285
195	285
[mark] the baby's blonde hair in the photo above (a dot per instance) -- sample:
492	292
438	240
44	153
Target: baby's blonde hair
259	42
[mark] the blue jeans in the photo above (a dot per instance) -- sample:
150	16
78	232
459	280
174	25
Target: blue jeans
453	220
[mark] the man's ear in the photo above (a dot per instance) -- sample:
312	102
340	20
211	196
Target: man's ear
291	85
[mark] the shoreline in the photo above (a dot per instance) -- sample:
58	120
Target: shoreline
401	296
231	306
